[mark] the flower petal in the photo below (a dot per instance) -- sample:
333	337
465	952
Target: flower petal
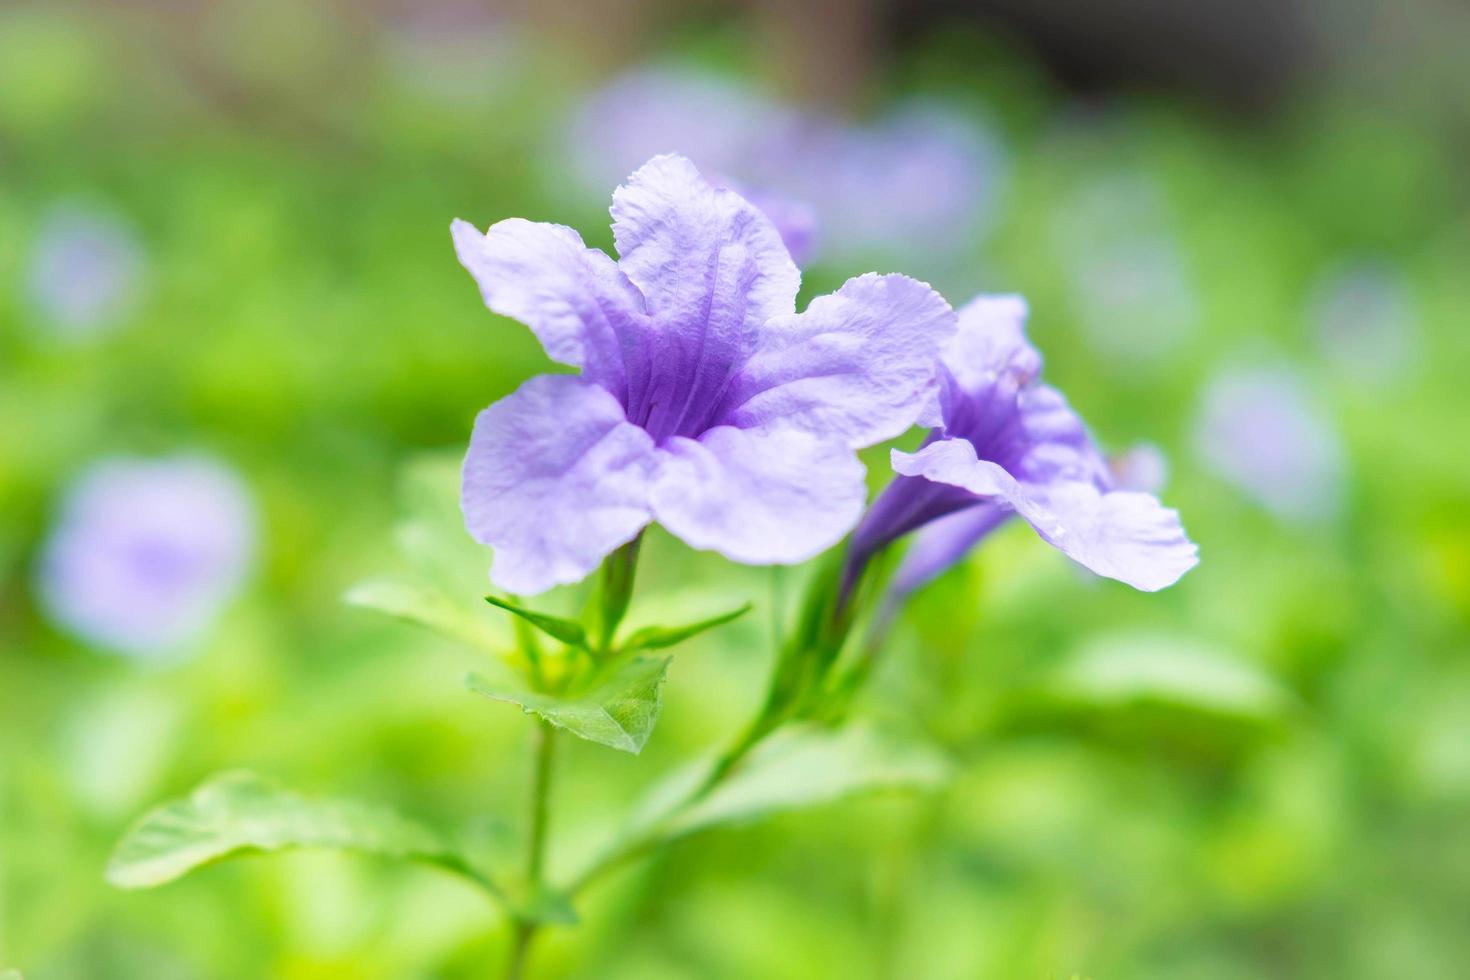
1127	536
1124	535
713	269
761	497
991	341
574	298
555	479
858	364
1055	443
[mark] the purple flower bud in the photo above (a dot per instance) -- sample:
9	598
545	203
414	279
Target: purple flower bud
145	553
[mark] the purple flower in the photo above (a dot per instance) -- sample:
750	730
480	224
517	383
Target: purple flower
705	402
146	553
85	271
1006	444
1261	430
921	179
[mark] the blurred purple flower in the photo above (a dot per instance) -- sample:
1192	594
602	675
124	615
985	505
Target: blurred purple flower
1006	444
727	130
922	179
85	271
1365	321
705	401
1261	430
146	553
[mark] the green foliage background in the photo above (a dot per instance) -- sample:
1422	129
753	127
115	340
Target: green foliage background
1264	771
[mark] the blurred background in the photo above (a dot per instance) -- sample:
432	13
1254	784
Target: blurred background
230	315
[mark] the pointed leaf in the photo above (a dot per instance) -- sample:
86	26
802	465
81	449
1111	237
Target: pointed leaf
619	711
566	630
659	637
802	767
237	813
424	605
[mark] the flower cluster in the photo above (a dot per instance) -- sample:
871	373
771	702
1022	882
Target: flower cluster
708	404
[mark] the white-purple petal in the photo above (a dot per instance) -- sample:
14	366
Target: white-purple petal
147	552
856	365
574	298
554	480
760	497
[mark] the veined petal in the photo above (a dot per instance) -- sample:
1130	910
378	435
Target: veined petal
1124	535
858	364
761	497
574	298
554	480
713	270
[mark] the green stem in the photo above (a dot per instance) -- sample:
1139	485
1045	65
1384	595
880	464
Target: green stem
543	755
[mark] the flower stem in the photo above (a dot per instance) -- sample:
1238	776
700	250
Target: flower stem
618	572
543	755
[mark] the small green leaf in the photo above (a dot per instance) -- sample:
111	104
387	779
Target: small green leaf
424	605
804	766
10	975
566	630
659	637
619	711
237	813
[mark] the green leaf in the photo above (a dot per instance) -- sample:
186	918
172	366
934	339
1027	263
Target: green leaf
10	975
619	711
659	637
236	813
566	630
805	766
1128	671
424	605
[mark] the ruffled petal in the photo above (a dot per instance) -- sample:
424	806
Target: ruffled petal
1124	535
1127	536
713	270
991	342
760	497
579	305
859	364
554	480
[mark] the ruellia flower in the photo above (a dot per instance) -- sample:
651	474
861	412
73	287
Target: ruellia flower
146	552
85	271
1003	445
705	401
